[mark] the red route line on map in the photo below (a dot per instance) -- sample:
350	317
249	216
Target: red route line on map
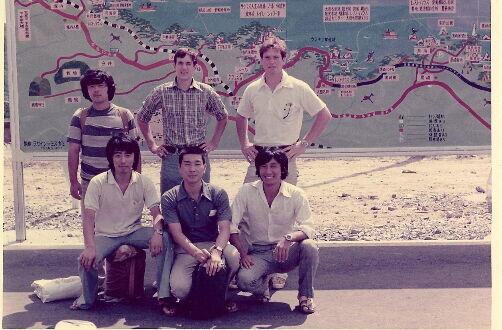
67	58
91	43
437	50
43	4
145	82
62	93
289	64
406	92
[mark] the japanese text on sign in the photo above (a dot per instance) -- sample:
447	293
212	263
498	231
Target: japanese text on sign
215	10
71	73
432	6
485	26
72	99
346	13
23	25
390	77
37	105
263	9
121	5
437	132
446	22
106	63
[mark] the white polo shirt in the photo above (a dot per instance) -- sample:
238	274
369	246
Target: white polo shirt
290	211
119	214
278	115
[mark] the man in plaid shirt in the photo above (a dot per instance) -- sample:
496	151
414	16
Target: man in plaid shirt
185	105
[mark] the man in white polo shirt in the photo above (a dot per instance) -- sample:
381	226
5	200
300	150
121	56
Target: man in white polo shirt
277	101
113	209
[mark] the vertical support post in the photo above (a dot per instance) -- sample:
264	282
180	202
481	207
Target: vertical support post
18	189
17	157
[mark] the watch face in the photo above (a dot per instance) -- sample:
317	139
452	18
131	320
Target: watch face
288	237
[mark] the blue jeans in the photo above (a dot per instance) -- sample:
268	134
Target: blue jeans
304	254
107	245
170	172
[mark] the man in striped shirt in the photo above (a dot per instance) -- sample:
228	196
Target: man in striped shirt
91	128
185	105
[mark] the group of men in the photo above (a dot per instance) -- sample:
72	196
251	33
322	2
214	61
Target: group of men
268	229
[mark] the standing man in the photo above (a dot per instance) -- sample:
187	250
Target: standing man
185	105
112	217
91	128
277	215
198	215
277	101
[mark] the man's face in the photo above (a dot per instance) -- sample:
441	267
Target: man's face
272	61
192	168
98	92
184	68
270	173
123	162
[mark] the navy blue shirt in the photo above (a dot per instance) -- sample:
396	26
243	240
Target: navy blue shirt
198	219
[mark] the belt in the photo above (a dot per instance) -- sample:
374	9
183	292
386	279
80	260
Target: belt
260	148
176	150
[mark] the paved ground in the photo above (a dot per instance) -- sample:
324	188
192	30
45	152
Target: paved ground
360	285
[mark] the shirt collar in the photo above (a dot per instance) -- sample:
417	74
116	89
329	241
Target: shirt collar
206	192
286	81
283	190
195	84
110	179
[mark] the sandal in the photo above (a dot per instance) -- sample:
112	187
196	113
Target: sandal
231	306
306	305
168	306
78	304
74	306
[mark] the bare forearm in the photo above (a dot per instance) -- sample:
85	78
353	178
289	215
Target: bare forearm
235	240
223	236
218	131
146	131
158	219
73	159
322	120
88	228
181	240
241	123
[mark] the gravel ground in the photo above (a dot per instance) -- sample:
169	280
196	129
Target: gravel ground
353	199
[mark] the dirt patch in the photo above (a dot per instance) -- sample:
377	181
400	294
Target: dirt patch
360	198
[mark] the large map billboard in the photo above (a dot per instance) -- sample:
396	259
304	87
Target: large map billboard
395	74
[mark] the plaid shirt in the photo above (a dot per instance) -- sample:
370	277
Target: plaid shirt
184	117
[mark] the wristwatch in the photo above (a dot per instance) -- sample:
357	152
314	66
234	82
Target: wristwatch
218	248
288	237
159	231
305	143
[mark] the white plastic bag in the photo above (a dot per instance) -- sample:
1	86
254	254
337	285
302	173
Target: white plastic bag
74	325
58	288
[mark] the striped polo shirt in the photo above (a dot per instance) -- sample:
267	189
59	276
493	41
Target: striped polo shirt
100	125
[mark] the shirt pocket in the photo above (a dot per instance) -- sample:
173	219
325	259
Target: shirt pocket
287	112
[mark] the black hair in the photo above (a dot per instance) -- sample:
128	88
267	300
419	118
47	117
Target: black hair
94	77
182	52
121	142
268	153
192	151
